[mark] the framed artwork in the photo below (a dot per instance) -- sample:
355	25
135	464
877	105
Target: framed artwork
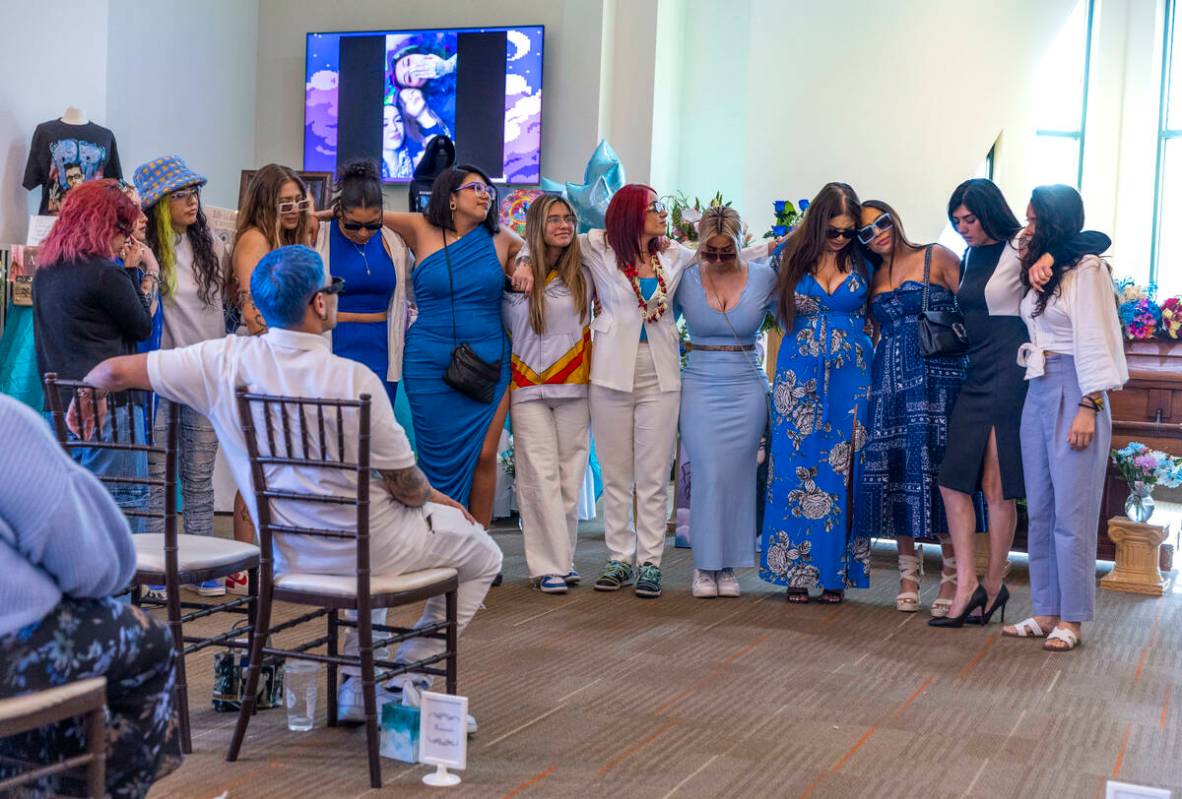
319	186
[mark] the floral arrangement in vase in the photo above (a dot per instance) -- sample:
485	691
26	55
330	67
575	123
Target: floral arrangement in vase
1143	468
1140	316
1171	318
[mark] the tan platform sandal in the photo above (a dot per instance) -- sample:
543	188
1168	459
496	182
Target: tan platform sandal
941	606
910	568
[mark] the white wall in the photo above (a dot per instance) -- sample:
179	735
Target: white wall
901	100
183	82
570	82
41	77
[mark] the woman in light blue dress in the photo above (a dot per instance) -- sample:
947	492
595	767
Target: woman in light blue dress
723	400
819	402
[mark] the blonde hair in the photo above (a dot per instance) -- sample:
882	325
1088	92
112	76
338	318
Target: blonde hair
569	265
721	220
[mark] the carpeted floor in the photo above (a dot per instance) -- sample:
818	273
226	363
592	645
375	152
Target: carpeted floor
593	694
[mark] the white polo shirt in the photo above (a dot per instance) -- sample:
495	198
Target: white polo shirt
205	376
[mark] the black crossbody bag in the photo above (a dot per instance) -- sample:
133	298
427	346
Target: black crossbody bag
941	333
468	373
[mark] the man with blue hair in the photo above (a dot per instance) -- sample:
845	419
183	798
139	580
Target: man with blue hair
412	525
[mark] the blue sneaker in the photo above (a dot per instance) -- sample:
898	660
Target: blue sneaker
573	577
552	584
212	587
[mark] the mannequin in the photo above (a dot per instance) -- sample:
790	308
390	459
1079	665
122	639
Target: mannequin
74	116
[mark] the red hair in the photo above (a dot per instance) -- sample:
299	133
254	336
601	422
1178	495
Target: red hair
624	221
94	213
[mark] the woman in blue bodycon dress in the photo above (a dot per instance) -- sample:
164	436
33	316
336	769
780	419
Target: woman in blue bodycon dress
819	406
461	255
724	299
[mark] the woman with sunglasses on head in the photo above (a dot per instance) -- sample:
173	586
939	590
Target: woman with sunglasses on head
635	378
819	403
1074	357
462	256
724	399
911	397
194	278
984	423
551	367
372	260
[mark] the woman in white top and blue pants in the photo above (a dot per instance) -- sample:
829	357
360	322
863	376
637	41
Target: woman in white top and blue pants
1074	357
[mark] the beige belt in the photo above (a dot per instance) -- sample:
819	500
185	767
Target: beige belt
362	317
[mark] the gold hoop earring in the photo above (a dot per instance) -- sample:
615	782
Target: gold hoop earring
452	206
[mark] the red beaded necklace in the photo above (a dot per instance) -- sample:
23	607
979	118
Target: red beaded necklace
653	308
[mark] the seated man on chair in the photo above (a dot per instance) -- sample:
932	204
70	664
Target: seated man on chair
412	526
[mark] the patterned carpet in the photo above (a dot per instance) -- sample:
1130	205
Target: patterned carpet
592	694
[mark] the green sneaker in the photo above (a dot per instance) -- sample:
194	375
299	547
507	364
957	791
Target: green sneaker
648	581
615	575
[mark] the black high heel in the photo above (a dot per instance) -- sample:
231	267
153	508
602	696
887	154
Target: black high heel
978	600
999	603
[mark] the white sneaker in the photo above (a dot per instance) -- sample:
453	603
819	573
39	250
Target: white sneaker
704	586
728	584
351	700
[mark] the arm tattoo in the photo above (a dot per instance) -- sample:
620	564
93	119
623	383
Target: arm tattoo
408	486
250	314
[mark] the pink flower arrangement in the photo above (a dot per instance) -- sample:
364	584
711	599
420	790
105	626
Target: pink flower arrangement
1171	317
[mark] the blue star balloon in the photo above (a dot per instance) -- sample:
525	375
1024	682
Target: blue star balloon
602	178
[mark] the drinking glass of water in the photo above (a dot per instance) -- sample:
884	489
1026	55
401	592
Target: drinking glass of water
301	679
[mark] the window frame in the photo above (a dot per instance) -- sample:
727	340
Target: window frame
1080	133
1164	133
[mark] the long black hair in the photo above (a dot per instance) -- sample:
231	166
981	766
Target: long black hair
1058	218
805	246
358	185
439	211
986	202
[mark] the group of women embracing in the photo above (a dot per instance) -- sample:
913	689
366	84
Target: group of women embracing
866	433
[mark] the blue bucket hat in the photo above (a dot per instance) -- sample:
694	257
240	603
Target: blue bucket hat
161	175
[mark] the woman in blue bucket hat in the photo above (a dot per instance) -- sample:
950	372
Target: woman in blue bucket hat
193	275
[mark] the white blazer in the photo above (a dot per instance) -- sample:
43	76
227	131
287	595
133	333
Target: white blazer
616	330
396	312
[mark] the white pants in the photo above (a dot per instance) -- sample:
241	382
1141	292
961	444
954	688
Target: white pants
450	541
635	433
550	442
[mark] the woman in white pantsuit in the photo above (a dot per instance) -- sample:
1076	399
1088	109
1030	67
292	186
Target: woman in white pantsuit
635	378
550	368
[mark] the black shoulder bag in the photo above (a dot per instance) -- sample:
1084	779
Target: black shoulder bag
468	373
941	333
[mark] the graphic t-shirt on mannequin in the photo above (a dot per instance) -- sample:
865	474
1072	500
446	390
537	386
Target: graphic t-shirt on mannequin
63	155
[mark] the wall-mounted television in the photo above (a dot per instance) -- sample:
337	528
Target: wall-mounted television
384	94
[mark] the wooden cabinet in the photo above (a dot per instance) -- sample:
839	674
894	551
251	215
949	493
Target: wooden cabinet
1149	410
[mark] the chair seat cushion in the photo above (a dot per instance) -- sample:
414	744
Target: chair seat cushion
346	586
194	552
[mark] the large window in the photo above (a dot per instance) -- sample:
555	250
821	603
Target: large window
1061	95
1165	267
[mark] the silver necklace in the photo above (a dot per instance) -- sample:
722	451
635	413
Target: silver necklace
364	258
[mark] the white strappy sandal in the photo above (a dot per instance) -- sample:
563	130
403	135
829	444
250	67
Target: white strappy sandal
1061	634
941	606
910	568
1027	628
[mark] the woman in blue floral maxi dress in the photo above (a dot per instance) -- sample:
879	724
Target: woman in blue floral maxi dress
820	398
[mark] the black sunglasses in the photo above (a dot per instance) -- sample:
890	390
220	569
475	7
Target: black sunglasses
867	233
846	233
335	287
353	227
720	256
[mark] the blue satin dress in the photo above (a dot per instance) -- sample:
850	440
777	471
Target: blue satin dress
819	427
449	426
